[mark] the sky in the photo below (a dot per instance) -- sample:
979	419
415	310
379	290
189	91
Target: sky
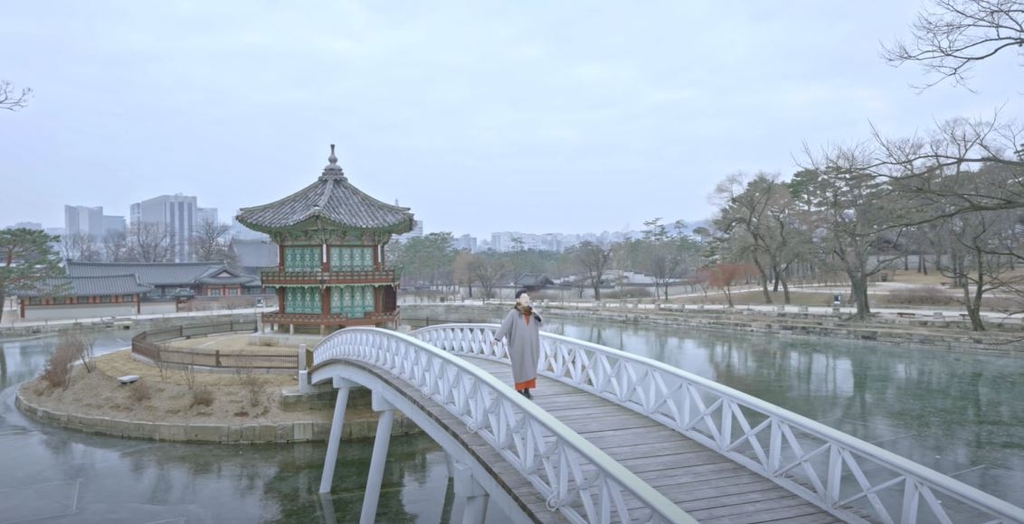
481	116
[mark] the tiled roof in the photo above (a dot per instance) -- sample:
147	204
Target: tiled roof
157	274
254	253
335	201
90	286
225	276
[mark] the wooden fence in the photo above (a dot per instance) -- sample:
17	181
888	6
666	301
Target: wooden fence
152	345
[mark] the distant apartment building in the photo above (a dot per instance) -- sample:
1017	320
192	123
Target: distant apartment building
26	225
179	216
465	243
513	240
83	220
206	215
90	220
114	223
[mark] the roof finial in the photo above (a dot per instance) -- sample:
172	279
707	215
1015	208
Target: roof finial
333	169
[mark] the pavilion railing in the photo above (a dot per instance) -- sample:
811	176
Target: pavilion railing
577	478
274	277
852	479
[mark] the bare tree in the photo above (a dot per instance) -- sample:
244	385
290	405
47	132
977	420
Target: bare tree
148	242
861	217
593	259
81	247
488	270
210	242
10	98
115	246
950	36
977	261
933	167
724	276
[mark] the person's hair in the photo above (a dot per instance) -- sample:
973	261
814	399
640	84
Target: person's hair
519	292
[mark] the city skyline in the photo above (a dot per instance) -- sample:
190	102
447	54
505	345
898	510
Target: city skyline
420	228
479	118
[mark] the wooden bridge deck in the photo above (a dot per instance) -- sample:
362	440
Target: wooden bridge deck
708	486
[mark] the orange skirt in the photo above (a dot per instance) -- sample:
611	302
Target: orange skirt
532	383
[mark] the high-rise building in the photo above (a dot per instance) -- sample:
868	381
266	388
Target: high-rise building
206	215
112	223
176	216
83	220
90	220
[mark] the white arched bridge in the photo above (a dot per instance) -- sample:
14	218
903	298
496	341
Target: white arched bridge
614	437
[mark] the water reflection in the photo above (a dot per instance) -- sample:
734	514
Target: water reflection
957	413
50	472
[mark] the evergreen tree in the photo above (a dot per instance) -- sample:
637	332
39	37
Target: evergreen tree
27	259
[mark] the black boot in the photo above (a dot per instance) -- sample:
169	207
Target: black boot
526	393
522	392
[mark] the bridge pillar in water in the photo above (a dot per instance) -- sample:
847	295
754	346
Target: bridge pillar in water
335	438
381	442
469	495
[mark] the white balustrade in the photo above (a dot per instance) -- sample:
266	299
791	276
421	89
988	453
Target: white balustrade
854	480
577	478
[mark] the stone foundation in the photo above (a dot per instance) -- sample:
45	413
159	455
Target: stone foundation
357	426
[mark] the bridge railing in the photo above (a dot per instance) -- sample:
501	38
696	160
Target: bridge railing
850	478
577	478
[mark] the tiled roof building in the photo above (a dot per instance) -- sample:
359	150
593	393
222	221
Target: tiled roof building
92	296
202	278
330	268
251	256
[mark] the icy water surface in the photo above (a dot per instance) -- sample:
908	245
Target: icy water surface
958	413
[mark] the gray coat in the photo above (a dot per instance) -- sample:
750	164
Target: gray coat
523	344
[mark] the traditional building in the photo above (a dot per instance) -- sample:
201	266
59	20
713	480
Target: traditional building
330	270
201	279
83	297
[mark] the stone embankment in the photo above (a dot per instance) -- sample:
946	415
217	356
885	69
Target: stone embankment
360	423
922	329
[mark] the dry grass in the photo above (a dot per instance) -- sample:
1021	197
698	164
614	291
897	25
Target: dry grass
100	394
139	391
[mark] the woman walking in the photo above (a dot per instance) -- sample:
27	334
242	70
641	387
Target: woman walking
522	328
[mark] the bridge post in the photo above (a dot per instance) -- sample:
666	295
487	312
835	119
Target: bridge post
469	494
335	439
381	441
304	386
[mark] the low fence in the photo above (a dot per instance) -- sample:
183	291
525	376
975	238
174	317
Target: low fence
152	345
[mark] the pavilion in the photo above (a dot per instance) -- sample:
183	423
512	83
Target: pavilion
330	271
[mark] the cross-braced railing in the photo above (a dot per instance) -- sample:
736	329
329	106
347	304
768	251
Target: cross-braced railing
850	478
577	478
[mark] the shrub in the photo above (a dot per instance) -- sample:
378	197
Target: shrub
202	396
139	391
920	296
58	368
253	383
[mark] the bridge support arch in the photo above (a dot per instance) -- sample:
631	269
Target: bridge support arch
474	487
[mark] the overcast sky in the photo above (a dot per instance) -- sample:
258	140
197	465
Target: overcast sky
533	116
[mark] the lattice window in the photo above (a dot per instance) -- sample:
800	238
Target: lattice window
351	258
352	301
304	300
301	258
